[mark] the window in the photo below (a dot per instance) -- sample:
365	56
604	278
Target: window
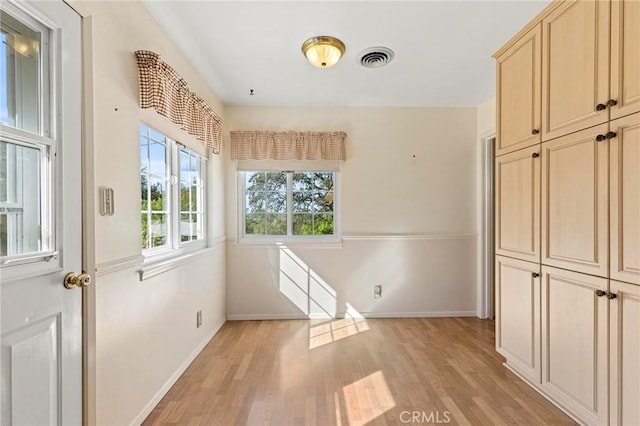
26	144
172	180
288	205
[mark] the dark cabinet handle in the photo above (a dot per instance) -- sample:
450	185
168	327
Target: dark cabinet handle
611	296
600	293
535	131
600	138
601	107
612	102
535	274
535	155
610	135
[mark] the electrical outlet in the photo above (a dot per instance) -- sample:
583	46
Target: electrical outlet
198	319
377	292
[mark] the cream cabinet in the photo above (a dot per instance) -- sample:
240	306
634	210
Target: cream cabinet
625	57
518	91
625	199
517	200
575	204
574	343
518	315
574	332
575	67
624	373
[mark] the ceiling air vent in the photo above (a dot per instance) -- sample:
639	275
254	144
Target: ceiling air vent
375	57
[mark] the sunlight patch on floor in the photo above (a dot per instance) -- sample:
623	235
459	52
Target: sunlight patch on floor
367	399
332	331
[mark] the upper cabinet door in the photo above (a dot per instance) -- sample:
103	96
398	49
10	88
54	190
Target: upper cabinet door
625	199
575	203
575	67
518	204
518	91
625	57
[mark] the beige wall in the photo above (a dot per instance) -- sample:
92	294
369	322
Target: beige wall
145	331
409	223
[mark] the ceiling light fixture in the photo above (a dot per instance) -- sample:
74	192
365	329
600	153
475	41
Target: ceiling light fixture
323	51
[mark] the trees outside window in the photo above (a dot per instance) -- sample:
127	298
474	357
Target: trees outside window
290	204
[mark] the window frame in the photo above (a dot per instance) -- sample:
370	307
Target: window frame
45	139
242	237
174	246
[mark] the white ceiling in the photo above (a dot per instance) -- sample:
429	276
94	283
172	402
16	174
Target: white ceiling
442	49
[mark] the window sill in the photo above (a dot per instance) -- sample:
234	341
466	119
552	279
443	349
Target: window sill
154	267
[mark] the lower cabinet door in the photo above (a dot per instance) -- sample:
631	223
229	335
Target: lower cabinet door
575	343
518	315
624	375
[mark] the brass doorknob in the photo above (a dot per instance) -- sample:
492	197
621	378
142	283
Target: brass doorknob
72	280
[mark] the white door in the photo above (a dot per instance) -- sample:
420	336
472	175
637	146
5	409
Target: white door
40	214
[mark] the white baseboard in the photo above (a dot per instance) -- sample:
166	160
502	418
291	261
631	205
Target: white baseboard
175	376
339	315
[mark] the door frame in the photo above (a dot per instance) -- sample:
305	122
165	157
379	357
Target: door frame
486	219
88	217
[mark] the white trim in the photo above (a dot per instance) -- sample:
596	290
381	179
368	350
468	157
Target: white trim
175	376
217	241
115	265
321	244
157	268
340	315
486	217
444	236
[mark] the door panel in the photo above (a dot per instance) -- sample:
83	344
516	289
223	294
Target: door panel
518	92
518	204
575	202
30	357
575	67
624	375
625	60
518	315
574	343
625	199
41	326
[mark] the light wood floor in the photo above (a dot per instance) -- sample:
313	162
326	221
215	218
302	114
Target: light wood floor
353	372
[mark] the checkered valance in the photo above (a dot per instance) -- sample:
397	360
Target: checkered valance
262	145
162	88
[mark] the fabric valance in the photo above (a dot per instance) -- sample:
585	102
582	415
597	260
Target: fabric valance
263	145
162	89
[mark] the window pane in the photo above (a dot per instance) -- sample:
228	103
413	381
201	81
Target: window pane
19	74
158	190
323	224
158	229
276	201
158	155
144	155
145	230
255	202
20	193
255	224
195	195
184	197
302	201
276	181
277	224
302	224
185	227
